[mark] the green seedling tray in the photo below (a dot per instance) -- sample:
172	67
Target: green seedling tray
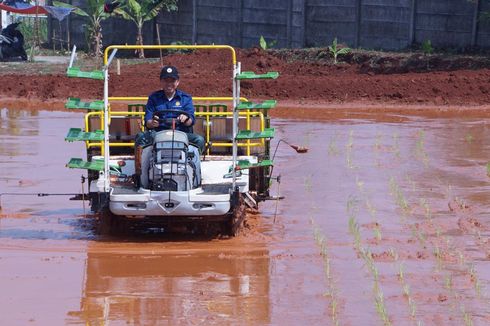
248	134
245	164
76	103
76	134
77	73
78	163
253	75
269	104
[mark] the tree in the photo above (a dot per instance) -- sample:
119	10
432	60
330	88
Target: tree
95	13
141	11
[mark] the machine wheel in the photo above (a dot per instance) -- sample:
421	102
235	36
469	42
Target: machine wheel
233	225
109	223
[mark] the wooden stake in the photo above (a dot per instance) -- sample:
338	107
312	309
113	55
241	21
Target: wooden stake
118	65
159	43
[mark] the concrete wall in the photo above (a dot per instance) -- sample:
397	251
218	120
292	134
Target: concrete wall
370	24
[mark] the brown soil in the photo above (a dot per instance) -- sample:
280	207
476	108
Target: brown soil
308	77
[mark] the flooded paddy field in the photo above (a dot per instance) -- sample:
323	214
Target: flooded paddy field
385	221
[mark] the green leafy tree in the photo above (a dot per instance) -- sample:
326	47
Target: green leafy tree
336	50
141	11
95	13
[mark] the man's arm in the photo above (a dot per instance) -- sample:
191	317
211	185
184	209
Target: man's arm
188	107
150	121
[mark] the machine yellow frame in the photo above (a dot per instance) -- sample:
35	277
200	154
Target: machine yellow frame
208	116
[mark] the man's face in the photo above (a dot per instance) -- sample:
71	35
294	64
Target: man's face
169	85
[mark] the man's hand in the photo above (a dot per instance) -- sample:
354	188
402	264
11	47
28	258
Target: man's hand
153	123
185	120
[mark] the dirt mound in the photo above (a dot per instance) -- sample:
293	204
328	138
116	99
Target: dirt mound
306	76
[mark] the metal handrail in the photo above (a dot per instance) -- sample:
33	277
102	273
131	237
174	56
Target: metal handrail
177	47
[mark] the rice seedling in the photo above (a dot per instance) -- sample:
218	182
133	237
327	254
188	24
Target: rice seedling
349	146
438	255
360	185
401	272
412	306
468	138
307	183
406	290
380	306
333	150
397	193
377	232
393	253
410	182
377	144
466	317
352	205
331	292
425	204
420	152
396	145
417	234
448	282
461	259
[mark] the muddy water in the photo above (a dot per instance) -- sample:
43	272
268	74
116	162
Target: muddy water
414	189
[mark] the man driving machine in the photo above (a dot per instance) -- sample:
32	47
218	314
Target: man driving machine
169	104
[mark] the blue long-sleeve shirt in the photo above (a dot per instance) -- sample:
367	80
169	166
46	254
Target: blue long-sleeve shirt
158	101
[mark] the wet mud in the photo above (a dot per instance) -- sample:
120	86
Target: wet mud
385	220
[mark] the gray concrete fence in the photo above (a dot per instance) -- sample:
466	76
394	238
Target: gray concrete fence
369	24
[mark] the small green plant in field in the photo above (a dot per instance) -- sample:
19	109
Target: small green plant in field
331	292
332	147
264	45
349	146
468	138
427	47
401	272
466	317
336	51
377	232
396	145
397	193
307	183
448	282
420	150
425	204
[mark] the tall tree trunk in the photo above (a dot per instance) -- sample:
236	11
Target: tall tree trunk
139	41
97	40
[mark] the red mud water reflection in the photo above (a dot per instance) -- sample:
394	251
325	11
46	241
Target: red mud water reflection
413	189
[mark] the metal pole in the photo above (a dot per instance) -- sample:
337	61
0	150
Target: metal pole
358	22
236	101
474	29
411	32
289	23
194	21
106	130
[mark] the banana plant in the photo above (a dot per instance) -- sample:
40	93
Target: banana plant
141	11
95	13
336	51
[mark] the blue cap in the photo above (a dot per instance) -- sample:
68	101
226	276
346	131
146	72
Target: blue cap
169	72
